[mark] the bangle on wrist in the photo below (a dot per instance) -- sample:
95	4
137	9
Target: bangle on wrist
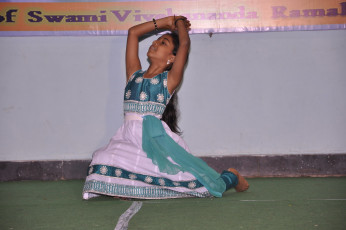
175	23
154	21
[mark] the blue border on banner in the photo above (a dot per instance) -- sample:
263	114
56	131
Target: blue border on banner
193	31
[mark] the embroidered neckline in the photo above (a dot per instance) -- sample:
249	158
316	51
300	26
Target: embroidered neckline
143	72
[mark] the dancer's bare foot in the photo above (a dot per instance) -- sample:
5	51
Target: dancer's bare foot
243	185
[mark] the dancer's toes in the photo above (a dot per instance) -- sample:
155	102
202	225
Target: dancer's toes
243	185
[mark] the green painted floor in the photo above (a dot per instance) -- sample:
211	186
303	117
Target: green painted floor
270	203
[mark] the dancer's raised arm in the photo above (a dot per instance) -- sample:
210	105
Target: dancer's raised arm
175	75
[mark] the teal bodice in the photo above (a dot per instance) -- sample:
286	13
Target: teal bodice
146	96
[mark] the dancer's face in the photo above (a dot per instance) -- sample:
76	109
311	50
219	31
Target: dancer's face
161	49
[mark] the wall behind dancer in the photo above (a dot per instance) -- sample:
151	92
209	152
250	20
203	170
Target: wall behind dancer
146	159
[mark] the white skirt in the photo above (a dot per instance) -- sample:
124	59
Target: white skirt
122	169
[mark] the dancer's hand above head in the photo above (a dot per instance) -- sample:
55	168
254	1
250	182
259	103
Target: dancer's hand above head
174	21
181	21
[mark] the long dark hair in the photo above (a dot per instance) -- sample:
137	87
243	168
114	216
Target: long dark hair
171	115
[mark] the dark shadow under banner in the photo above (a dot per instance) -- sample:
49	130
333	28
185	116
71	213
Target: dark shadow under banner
35	18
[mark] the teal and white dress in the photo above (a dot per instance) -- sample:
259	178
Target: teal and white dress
145	159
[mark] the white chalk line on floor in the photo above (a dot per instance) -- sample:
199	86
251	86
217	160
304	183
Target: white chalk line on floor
125	218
